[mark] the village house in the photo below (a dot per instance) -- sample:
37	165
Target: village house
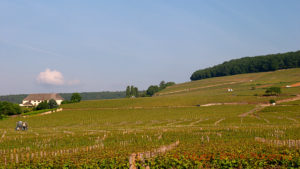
34	99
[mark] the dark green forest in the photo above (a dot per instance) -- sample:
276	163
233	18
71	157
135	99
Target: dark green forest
67	96
264	63
13	98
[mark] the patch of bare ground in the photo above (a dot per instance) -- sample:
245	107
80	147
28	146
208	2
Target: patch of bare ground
263	86
218	104
295	85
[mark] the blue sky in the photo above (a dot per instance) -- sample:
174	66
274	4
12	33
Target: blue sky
80	46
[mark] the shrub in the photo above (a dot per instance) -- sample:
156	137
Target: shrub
75	98
272	101
43	105
52	104
7	108
273	91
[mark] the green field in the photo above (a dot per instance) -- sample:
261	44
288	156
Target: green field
196	124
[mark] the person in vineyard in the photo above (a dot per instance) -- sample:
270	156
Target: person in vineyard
24	126
21	126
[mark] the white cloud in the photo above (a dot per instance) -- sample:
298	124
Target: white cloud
51	77
54	77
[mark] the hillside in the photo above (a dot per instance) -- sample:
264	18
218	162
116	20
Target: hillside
250	65
197	123
213	90
85	96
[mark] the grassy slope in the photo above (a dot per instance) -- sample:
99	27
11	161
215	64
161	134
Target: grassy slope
132	125
215	94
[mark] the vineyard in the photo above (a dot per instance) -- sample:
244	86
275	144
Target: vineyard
197	124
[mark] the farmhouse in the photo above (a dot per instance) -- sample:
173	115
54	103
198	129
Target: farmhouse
34	99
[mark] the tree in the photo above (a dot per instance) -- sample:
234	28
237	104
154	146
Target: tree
162	85
52	104
128	91
43	105
75	97
273	91
135	92
7	108
131	90
152	89
169	84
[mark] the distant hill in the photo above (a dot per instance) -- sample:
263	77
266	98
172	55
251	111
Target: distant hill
67	96
265	63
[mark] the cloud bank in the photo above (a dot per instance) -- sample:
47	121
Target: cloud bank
55	78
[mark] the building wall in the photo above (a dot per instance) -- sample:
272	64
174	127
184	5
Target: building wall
36	102
59	102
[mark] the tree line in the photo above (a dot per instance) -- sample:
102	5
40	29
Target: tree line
132	91
264	63
157	88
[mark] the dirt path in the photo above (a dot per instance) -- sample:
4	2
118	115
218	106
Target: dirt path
295	85
218	104
261	106
141	156
217	122
49	112
257	108
289	100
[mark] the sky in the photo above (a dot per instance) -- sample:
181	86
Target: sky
95	45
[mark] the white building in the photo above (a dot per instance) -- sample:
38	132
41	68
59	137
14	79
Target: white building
34	99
